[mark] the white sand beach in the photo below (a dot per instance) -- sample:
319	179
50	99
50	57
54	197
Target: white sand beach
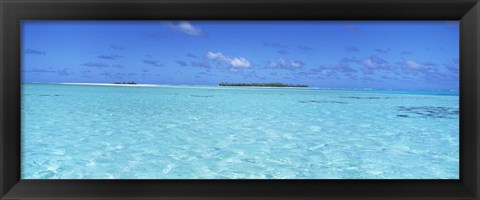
112	84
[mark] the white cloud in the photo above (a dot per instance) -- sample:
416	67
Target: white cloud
417	66
187	28
285	64
375	63
369	63
216	56
413	65
239	62
326	72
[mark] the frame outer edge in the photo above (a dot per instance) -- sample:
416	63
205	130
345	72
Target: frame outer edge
8	179
2	192
476	189
477	179
473	55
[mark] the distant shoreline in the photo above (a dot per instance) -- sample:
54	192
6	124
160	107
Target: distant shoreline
113	84
263	87
246	87
272	85
159	85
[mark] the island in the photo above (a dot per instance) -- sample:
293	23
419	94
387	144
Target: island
129	83
261	85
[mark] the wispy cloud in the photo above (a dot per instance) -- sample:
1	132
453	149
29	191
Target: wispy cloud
118	66
406	53
64	72
96	64
332	71
285	64
352	68
273	74
117	74
452	69
420	67
429	71
154	63
305	48
191	55
109	57
33	51
234	62
181	63
86	73
375	62
352	49
383	50
36	70
200	63
350	60
275	45
117	47
370	63
282	51
453	66
186	27
106	74
285	49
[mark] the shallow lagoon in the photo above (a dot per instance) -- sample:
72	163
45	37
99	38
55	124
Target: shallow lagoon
97	132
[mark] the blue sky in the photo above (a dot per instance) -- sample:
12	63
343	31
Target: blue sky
415	55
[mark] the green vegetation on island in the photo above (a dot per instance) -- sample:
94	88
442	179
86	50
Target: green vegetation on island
129	83
261	85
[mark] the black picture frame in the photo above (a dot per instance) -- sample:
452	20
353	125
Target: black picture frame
13	11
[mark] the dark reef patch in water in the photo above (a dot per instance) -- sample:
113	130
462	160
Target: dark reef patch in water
201	95
428	111
354	97
47	95
320	101
249	160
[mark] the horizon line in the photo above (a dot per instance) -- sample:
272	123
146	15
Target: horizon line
159	84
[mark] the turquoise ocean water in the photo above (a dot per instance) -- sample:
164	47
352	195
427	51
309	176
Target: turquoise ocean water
104	132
